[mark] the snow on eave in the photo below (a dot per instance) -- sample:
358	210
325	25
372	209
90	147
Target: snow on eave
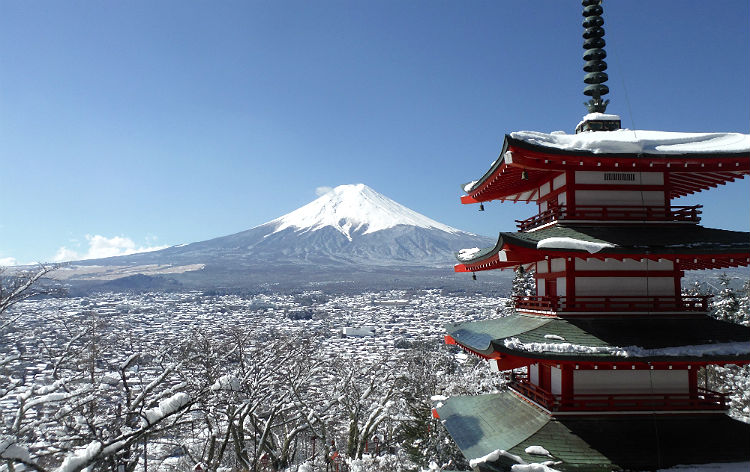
467	254
700	350
634	142
572	243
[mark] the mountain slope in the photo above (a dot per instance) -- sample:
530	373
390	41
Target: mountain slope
352	227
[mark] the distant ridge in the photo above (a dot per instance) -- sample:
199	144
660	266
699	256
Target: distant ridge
351	228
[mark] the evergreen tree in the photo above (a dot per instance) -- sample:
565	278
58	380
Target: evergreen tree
725	304
524	284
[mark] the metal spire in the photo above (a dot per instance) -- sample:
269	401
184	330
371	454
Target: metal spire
593	43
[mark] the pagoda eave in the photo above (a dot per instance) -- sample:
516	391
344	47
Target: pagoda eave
719	249
509	359
522	166
697	339
510	424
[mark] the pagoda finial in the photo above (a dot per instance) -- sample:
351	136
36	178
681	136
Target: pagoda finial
593	43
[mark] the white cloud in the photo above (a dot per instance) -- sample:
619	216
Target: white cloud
65	254
102	246
320	191
8	261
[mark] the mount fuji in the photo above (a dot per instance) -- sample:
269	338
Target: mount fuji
352	228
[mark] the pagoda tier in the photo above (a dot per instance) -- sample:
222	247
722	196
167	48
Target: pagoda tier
659	165
593	270
613	364
507	430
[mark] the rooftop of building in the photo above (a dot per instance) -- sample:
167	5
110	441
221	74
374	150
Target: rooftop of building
507	426
696	161
610	241
607	339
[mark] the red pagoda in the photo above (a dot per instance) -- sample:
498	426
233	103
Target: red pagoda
604	360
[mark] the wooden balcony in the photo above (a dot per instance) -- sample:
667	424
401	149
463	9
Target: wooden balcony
701	400
617	304
614	213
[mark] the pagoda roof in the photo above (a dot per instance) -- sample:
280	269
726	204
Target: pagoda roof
695	161
693	247
481	425
606	339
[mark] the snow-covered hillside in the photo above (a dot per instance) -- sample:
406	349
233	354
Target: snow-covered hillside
354	209
352	227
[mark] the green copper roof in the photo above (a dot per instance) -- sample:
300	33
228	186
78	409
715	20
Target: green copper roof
655	239
614	339
479	335
483	424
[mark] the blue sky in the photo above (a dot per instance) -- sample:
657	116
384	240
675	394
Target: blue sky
168	122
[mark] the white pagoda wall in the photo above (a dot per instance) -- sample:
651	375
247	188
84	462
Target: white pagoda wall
633	197
630	381
619	197
556	381
555	378
534	374
613	285
625	178
627	264
548	187
625	286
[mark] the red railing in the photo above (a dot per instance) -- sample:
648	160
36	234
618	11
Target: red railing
613	304
689	214
702	400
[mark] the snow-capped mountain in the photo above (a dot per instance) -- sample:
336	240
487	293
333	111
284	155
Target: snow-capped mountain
350	228
354	209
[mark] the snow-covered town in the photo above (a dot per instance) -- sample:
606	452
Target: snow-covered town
73	367
305	381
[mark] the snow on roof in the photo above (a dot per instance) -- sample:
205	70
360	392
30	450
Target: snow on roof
594	117
467	253
625	141
571	243
732	348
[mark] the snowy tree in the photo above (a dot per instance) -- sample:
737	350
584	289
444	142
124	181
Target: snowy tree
524	284
734	380
366	396
725	304
263	396
85	411
430	368
21	285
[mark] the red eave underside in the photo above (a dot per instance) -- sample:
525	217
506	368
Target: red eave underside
687	175
517	256
512	361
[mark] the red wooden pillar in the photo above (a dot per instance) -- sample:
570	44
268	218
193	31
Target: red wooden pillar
566	389
570	282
